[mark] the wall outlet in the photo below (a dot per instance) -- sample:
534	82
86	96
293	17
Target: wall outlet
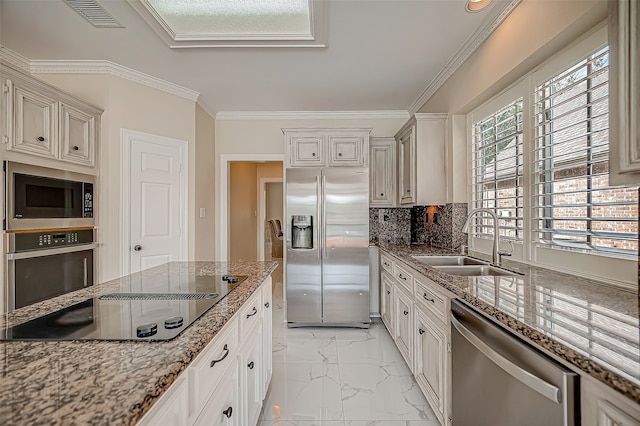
383	216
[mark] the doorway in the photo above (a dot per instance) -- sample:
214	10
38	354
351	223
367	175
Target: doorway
251	205
271	208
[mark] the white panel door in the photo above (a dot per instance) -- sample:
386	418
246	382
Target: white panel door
156	203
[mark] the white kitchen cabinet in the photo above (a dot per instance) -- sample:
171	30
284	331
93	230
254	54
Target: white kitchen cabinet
224	407
347	150
386	302
624	92
267	335
403	321
172	407
382	172
228	380
432	360
602	406
421	160
44	126
326	147
251	379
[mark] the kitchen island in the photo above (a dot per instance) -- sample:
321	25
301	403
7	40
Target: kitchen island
110	382
589	326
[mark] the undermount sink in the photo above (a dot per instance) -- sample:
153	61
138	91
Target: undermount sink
448	260
475	271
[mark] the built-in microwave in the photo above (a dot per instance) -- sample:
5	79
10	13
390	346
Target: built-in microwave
44	198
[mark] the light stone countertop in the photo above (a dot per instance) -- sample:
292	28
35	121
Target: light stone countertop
109	382
588	325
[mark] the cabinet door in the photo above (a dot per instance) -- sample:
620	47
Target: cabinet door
406	162
431	361
306	151
386	303
267	335
382	173
77	136
346	151
403	319
34	122
602	406
251	375
224	408
171	408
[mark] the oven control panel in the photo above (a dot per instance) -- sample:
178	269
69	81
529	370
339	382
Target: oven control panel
26	241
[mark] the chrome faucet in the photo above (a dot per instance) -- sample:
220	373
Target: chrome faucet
497	254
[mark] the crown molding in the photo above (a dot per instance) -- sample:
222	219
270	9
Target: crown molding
463	54
111	68
311	115
13	58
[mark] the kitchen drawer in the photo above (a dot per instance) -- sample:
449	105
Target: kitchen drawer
429	297
386	263
250	313
403	277
210	366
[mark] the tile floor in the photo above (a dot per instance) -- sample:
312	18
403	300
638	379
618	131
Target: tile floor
339	377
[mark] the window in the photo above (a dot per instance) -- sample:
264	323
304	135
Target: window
575	208
498	170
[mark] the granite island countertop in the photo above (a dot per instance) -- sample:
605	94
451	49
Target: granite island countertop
588	325
92	382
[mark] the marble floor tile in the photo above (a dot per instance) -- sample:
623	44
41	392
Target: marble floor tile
392	423
382	392
302	349
299	423
309	392
374	346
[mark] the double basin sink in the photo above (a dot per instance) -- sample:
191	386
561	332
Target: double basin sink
463	265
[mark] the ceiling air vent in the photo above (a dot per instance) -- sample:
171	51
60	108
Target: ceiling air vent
94	13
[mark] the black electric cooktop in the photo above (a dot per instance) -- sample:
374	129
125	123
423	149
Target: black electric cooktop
152	314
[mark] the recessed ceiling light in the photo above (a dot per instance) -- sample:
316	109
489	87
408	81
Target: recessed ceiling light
476	5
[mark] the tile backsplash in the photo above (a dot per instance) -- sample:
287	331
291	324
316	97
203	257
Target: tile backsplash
436	225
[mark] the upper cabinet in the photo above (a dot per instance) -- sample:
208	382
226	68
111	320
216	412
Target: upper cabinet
382	172
624	92
44	126
421	160
327	147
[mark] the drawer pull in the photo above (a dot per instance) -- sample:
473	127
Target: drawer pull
406	312
40	138
228	412
386	264
266	305
388	292
253	312
402	277
424	296
250	365
421	331
215	361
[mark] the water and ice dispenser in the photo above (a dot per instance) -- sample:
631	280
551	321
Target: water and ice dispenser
302	231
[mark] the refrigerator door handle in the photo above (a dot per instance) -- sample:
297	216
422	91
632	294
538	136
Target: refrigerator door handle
319	203
324	216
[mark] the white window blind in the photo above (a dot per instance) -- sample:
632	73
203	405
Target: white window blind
575	208
497	171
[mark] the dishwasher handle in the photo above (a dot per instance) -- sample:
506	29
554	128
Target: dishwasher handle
534	382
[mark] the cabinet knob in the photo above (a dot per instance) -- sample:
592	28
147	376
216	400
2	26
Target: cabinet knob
137	247
266	305
406	312
408	190
421	331
250	365
313	154
339	154
40	138
76	147
228	412
382	194
388	292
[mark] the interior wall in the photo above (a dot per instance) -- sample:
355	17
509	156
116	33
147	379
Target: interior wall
136	107
243	208
243	136
533	32
205	180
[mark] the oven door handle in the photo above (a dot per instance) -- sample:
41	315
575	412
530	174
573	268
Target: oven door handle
49	252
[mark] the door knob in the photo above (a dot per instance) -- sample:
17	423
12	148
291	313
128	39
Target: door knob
137	247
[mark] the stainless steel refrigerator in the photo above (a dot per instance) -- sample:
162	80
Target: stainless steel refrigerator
327	255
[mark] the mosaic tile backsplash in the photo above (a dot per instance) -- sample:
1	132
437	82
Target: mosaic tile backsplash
440	226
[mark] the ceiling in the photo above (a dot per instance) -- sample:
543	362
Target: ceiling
381	55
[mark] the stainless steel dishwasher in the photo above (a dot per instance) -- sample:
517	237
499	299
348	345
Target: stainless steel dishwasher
499	380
